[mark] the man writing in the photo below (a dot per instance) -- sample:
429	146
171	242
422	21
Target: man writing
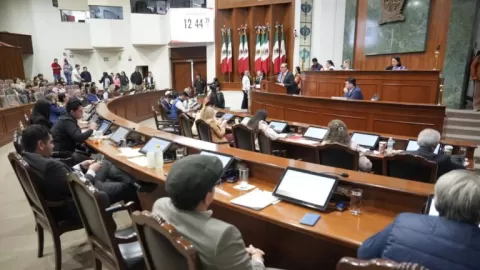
287	80
56	70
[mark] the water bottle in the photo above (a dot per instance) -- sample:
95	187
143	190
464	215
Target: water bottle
390	145
158	157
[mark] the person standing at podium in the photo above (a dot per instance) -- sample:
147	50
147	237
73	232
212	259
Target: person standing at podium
351	90
287	80
245	88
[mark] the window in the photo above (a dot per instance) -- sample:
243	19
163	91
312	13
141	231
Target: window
149	6
78	16
106	12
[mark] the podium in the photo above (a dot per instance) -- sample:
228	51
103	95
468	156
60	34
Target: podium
271	87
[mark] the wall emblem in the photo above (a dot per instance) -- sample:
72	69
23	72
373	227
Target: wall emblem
392	11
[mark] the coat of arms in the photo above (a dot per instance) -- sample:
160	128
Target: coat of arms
392	11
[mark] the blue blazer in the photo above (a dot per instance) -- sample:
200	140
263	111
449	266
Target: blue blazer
92	98
55	113
432	241
356	93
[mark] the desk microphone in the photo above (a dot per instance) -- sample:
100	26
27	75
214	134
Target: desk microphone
344	175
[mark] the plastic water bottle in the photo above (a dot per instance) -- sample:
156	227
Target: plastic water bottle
158	157
390	144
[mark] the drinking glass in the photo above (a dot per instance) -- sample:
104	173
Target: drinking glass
243	177
355	201
463	151
180	153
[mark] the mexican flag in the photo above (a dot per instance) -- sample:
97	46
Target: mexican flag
266	53
283	49
229	53
276	53
258	52
223	59
240	55
246	56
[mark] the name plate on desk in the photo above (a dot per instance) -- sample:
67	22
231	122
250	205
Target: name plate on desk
340	98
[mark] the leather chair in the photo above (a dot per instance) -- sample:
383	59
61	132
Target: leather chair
203	129
244	137
17	142
265	145
347	263
163	246
44	220
337	155
116	249
411	167
164	125
186	124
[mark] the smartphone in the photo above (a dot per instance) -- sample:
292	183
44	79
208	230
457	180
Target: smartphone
310	219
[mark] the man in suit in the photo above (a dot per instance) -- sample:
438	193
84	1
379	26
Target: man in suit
351	90
288	80
52	174
428	139
191	188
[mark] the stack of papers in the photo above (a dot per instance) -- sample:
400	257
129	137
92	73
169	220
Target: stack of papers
129	152
256	199
141	161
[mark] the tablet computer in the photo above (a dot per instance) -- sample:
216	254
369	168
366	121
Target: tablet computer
279	127
366	140
104	126
227	116
315	133
119	134
430	208
245	120
226	160
307	188
413	146
151	145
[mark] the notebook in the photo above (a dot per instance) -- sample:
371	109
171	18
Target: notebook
256	199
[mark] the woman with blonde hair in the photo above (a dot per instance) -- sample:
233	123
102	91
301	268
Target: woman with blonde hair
207	114
338	133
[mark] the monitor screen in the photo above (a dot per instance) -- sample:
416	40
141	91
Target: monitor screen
151	145
413	146
228	116
104	126
315	133
245	120
278	126
307	188
119	134
225	159
366	140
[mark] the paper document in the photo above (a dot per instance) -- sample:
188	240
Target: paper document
256	199
282	135
129	152
141	161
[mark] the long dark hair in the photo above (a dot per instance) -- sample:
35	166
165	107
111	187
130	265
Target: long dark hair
298	70
331	63
260	115
41	110
398	60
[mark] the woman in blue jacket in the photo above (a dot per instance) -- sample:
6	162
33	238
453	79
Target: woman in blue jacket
56	110
447	241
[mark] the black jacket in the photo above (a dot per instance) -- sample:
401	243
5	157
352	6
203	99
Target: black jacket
290	84
444	162
86	76
220	102
66	134
124	80
136	78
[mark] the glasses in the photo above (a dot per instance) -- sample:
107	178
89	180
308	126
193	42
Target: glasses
180	153
355	201
243	177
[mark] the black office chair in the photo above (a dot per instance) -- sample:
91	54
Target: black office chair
203	129
164	124
17	142
337	155
266	146
186	124
411	167
244	137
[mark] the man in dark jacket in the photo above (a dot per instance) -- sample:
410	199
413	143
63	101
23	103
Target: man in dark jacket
136	78
450	241
51	174
428	140
66	132
287	79
86	76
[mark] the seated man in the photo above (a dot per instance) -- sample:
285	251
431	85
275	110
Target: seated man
178	105
351	90
67	134
166	100
450	241
428	140
52	174
191	187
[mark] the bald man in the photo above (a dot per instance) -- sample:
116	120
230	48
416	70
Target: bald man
287	79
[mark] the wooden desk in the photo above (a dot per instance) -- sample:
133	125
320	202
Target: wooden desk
276	229
372	116
9	121
420	86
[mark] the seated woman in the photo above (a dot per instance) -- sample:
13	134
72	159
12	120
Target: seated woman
396	64
219	135
41	114
257	122
338	133
62	100
92	96
330	65
56	110
445	241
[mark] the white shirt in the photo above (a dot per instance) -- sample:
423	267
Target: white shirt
180	106
246	84
76	76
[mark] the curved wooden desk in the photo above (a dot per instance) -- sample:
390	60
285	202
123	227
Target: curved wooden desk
9	118
276	229
374	116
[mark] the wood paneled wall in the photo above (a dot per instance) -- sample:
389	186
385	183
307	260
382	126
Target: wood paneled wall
437	35
233	14
11	63
18	40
